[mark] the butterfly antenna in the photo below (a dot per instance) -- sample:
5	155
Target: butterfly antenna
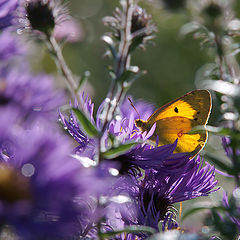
129	99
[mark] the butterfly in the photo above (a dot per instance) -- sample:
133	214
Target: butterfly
176	119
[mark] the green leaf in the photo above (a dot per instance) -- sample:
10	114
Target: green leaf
87	126
188	28
130	229
116	151
111	45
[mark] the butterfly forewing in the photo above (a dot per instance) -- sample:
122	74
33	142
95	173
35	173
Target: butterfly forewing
195	105
176	119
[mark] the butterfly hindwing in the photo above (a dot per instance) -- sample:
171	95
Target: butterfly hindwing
172	128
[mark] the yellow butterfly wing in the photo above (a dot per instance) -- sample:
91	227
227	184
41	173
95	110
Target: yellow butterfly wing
195	105
175	120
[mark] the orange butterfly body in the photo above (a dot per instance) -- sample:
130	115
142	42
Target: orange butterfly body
175	119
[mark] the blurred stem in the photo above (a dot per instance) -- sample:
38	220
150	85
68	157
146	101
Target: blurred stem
65	70
221	58
220	54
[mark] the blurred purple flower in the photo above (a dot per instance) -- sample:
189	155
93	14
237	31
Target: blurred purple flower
235	219
156	193
43	189
9	46
33	95
144	109
226	141
69	30
7	12
38	181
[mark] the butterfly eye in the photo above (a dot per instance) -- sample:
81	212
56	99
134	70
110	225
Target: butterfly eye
176	109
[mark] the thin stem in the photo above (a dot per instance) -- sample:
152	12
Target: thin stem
122	61
218	41
66	72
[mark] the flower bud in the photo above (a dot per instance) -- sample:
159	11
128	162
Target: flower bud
174	5
40	16
140	19
213	11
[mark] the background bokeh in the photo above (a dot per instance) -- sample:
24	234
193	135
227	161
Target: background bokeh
171	61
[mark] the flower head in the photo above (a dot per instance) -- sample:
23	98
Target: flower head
33	95
38	183
9	46
156	193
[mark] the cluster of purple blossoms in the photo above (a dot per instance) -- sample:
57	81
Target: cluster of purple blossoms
51	190
168	178
45	191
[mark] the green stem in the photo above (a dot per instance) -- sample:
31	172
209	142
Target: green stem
122	60
65	70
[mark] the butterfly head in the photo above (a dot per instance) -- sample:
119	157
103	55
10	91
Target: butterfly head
141	124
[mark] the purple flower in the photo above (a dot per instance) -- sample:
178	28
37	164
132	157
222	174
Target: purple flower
156	193
226	142
7	12
142	156
9	46
236	218
44	193
38	181
86	145
69	30
33	95
144	109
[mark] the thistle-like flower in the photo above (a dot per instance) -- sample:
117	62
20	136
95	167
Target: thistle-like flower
32	95
38	183
156	193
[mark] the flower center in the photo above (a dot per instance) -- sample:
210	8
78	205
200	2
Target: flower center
13	185
159	204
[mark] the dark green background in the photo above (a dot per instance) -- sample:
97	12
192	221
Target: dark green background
171	62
